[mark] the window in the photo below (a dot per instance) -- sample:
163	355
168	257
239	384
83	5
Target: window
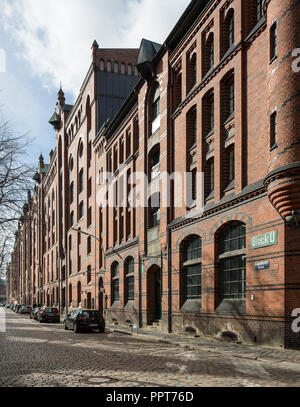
208	57
89	188
208	113
273	130
228	36
273	42
89	275
116	67
115	275
71	219
228	97
121	151
89	245
122	68
80	210
108	66
129	279
192	254
229	167
210	177
191	128
128	143
129	69
80	181
72	192
102	65
154	211
191	71
155	109
232	282
177	89
89	217
259	9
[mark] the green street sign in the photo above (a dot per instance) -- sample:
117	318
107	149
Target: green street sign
265	240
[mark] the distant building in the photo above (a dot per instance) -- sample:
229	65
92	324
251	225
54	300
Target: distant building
2	291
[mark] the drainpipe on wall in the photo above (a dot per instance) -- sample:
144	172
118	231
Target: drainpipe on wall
169	280
140	292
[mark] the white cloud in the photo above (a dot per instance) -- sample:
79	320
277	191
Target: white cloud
55	36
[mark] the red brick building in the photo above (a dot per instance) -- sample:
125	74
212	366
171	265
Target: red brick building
219	97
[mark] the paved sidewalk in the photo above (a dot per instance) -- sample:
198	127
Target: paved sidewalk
260	353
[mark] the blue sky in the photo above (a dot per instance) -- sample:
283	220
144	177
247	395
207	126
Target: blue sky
48	42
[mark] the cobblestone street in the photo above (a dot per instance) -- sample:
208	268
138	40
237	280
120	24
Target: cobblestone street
34	354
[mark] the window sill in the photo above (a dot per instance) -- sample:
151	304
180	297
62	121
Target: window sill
230	186
274	147
232	307
273	59
192	262
192	306
210	196
229	118
210	133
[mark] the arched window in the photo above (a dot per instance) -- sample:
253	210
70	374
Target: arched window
115	279
191	71
78	293
228	96
89	275
208	113
108	66
192	268
88	115
209	54
80	181
273	42
232	252
155	109
123	68
102	65
259	9
129	69
116	67
129	279
228	35
191	128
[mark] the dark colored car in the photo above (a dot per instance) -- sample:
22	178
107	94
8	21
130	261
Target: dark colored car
48	314
17	309
26	309
80	320
34	313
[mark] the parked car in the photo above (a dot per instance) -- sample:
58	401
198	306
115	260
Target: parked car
34	313
79	320
17	309
26	309
48	314
2	304
7	305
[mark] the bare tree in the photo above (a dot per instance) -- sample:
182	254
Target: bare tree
15	180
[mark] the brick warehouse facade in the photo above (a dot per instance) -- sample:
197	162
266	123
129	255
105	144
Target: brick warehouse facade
219	97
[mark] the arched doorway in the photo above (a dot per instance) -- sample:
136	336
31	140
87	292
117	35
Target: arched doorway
154	294
100	298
